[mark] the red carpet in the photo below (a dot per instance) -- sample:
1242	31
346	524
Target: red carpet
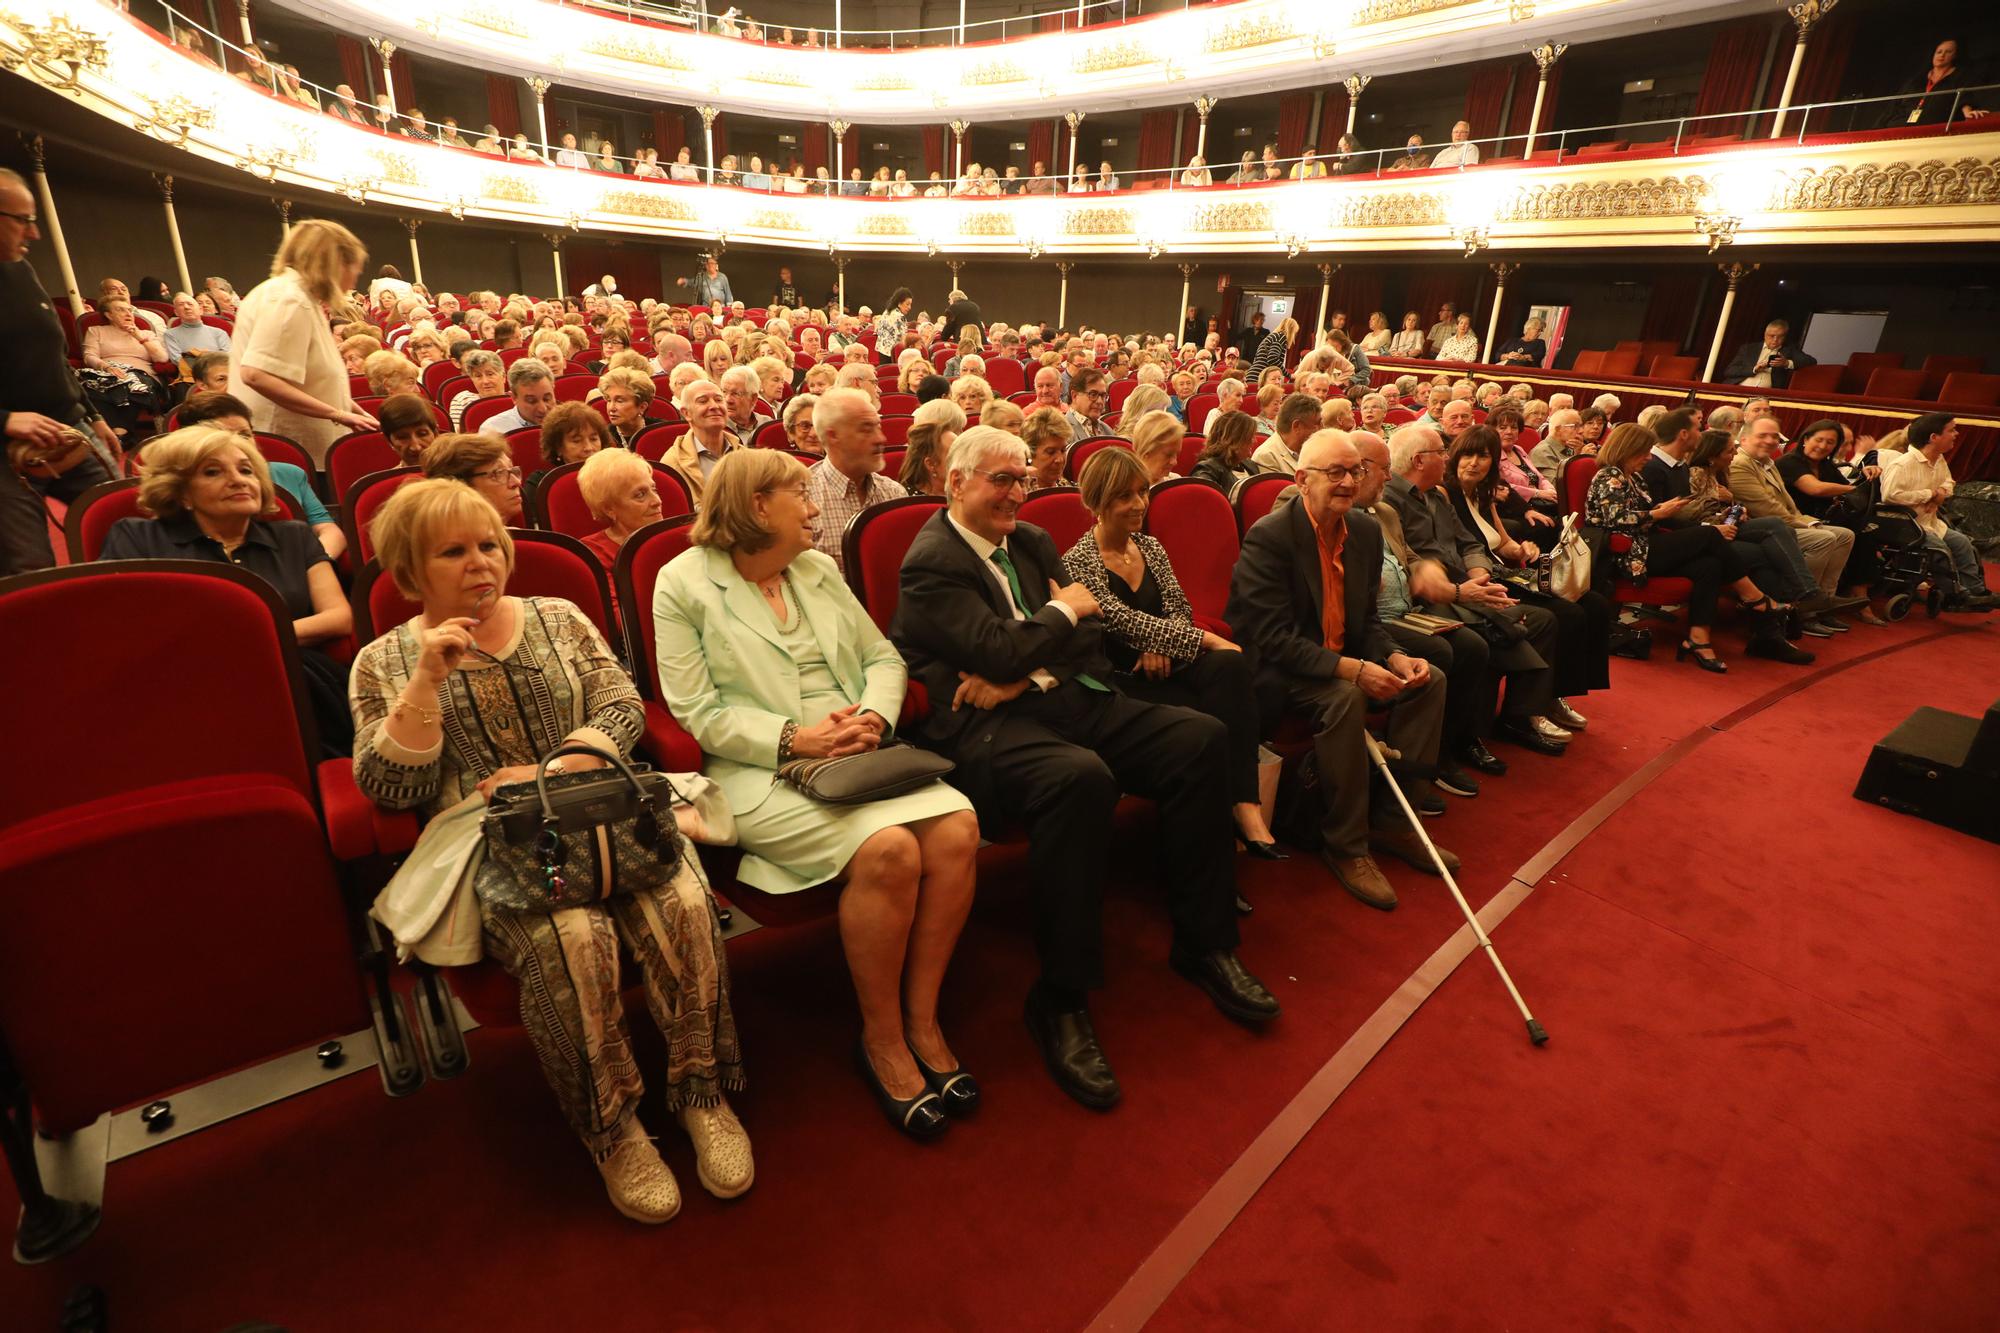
1769	1098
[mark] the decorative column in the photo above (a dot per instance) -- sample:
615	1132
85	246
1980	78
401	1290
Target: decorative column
1325	298
708	115
1073	119
1501	272
284	207
555	240
1203	105
410	225
954	265
243	16
166	184
958	129
840	280
1735	273
1545	56
1063	266
1804	15
1180	313
387	50
540	88
53	224
840	129
1355	85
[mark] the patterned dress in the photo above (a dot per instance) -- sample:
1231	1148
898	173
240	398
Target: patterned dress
558	680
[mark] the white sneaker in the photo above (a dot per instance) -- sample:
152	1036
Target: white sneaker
640	1185
722	1160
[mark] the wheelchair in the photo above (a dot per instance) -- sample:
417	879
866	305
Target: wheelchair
1908	569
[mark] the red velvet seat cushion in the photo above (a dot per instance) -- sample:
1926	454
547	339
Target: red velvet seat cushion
1194	522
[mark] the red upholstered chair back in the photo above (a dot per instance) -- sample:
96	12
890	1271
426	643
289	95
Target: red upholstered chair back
873	547
1059	512
450	387
898	404
1080	452
509	355
557	503
551	564
1255	496
1007	377
1887	382
369	403
896	430
1573	488
1965	389
770	435
1938	366
352	457
1399	416
1620	361
1120	391
525	445
1198	409
941	354
574	388
1023	399
1817	379
1669	367
364	498
285	449
357	385
480	411
378	604
645	553
435	374
1589	363
654	441
1194	522
94	513
1191	447
892	462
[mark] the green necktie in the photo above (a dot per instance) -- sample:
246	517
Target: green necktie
1006	563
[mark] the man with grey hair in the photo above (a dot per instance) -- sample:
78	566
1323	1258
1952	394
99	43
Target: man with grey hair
695	454
1461	151
534	391
670	350
849	478
1767	365
1297	419
1304	594
188	334
1608	404
1022	701
739	397
1562	402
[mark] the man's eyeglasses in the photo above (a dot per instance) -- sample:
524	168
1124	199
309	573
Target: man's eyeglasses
1338	474
499	474
1006	481
25	219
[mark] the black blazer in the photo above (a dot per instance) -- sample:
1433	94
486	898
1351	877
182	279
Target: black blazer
1744	363
1276	594
953	617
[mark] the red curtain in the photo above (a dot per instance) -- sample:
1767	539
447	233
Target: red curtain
1730	82
721	138
815	147
850	150
1485	94
503	104
1358	291
1820	74
354	65
1156	140
934	137
1670	304
1431	286
669	133
1041	145
1294	110
1332	124
1059	164
1190	136
1524	99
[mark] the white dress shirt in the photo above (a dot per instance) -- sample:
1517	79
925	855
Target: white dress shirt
984	550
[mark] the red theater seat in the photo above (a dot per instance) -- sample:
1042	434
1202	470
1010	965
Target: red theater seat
1863	364
482	410
1589	363
1080	452
1964	389
654	441
873	547
352	457
1938	367
1817	379
640	560
1198	408
93	514
770	435
1674	368
1255	496
361	501
1660	590
556	504
1194	521
1059	512
1620	361
1886	382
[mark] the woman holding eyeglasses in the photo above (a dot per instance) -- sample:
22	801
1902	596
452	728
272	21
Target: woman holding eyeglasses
466	697
483	462
765	657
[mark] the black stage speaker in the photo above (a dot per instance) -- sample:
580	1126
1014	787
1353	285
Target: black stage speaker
1944	767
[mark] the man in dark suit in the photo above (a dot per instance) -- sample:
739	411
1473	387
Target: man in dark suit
1304	592
1767	365
1021	700
1250	337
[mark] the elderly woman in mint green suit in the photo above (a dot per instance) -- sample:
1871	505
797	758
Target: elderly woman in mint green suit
764	656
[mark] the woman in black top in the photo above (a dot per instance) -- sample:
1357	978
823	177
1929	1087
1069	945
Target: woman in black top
1823	491
1150	636
212	498
1225	454
1473	482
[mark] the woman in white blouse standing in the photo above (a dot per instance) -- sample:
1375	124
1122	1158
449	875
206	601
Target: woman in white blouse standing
283	360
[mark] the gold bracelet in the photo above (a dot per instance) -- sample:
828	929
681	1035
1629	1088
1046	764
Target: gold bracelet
424	715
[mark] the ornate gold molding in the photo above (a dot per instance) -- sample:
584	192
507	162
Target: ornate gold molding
1257	32
1114	55
634	203
1393	210
1667	196
1236	217
1098	222
1381	11
993	73
1889	185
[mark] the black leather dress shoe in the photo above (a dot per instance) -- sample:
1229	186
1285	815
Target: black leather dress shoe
921	1116
1265	851
958	1090
1524	735
1069	1048
1235	992
1483	759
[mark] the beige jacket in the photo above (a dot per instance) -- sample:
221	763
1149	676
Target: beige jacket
1762	492
682	458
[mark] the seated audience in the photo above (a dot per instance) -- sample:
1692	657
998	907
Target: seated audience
1303	595
484	463
1755	482
1918	478
188	334
211	497
924	452
765	656
409	424
1821	489
1526	350
695	454
1022	701
1003	415
1048	435
849	478
626	396
534	393
442	720
572	432
391	373
1297	419
1410	340
1531	496
1225	451
223	412
797	416
1461	344
1619	503
619	487
1156	441
1461	151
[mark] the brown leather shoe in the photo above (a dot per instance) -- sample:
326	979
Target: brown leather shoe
1360	876
1406	846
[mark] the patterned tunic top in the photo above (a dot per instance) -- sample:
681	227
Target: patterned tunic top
1620	503
558	678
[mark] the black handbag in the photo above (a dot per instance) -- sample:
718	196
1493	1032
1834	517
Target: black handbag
873	775
578	838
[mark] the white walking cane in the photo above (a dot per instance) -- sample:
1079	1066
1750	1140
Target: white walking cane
1536	1032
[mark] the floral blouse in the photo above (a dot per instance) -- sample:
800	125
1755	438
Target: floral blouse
1619	504
1459	347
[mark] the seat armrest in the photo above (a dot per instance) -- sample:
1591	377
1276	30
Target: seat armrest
666	744
356	826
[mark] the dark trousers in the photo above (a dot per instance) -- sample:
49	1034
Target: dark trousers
1583	642
1472	687
1225	686
1696	554
1057	763
24	532
1338	711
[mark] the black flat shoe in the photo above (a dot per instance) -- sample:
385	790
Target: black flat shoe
1224	980
1069	1048
958	1090
1483	759
1777	650
1264	851
921	1117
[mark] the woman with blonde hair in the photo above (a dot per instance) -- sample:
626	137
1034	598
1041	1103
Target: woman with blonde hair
1003	415
774	377
1410	339
1156	439
911	368
972	394
620	488
819	378
468	696
284	363
1047	433
391	373
425	346
924	453
1275	346
1376	341
553	352
1146	398
766	656
626	395
716	357
211	497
